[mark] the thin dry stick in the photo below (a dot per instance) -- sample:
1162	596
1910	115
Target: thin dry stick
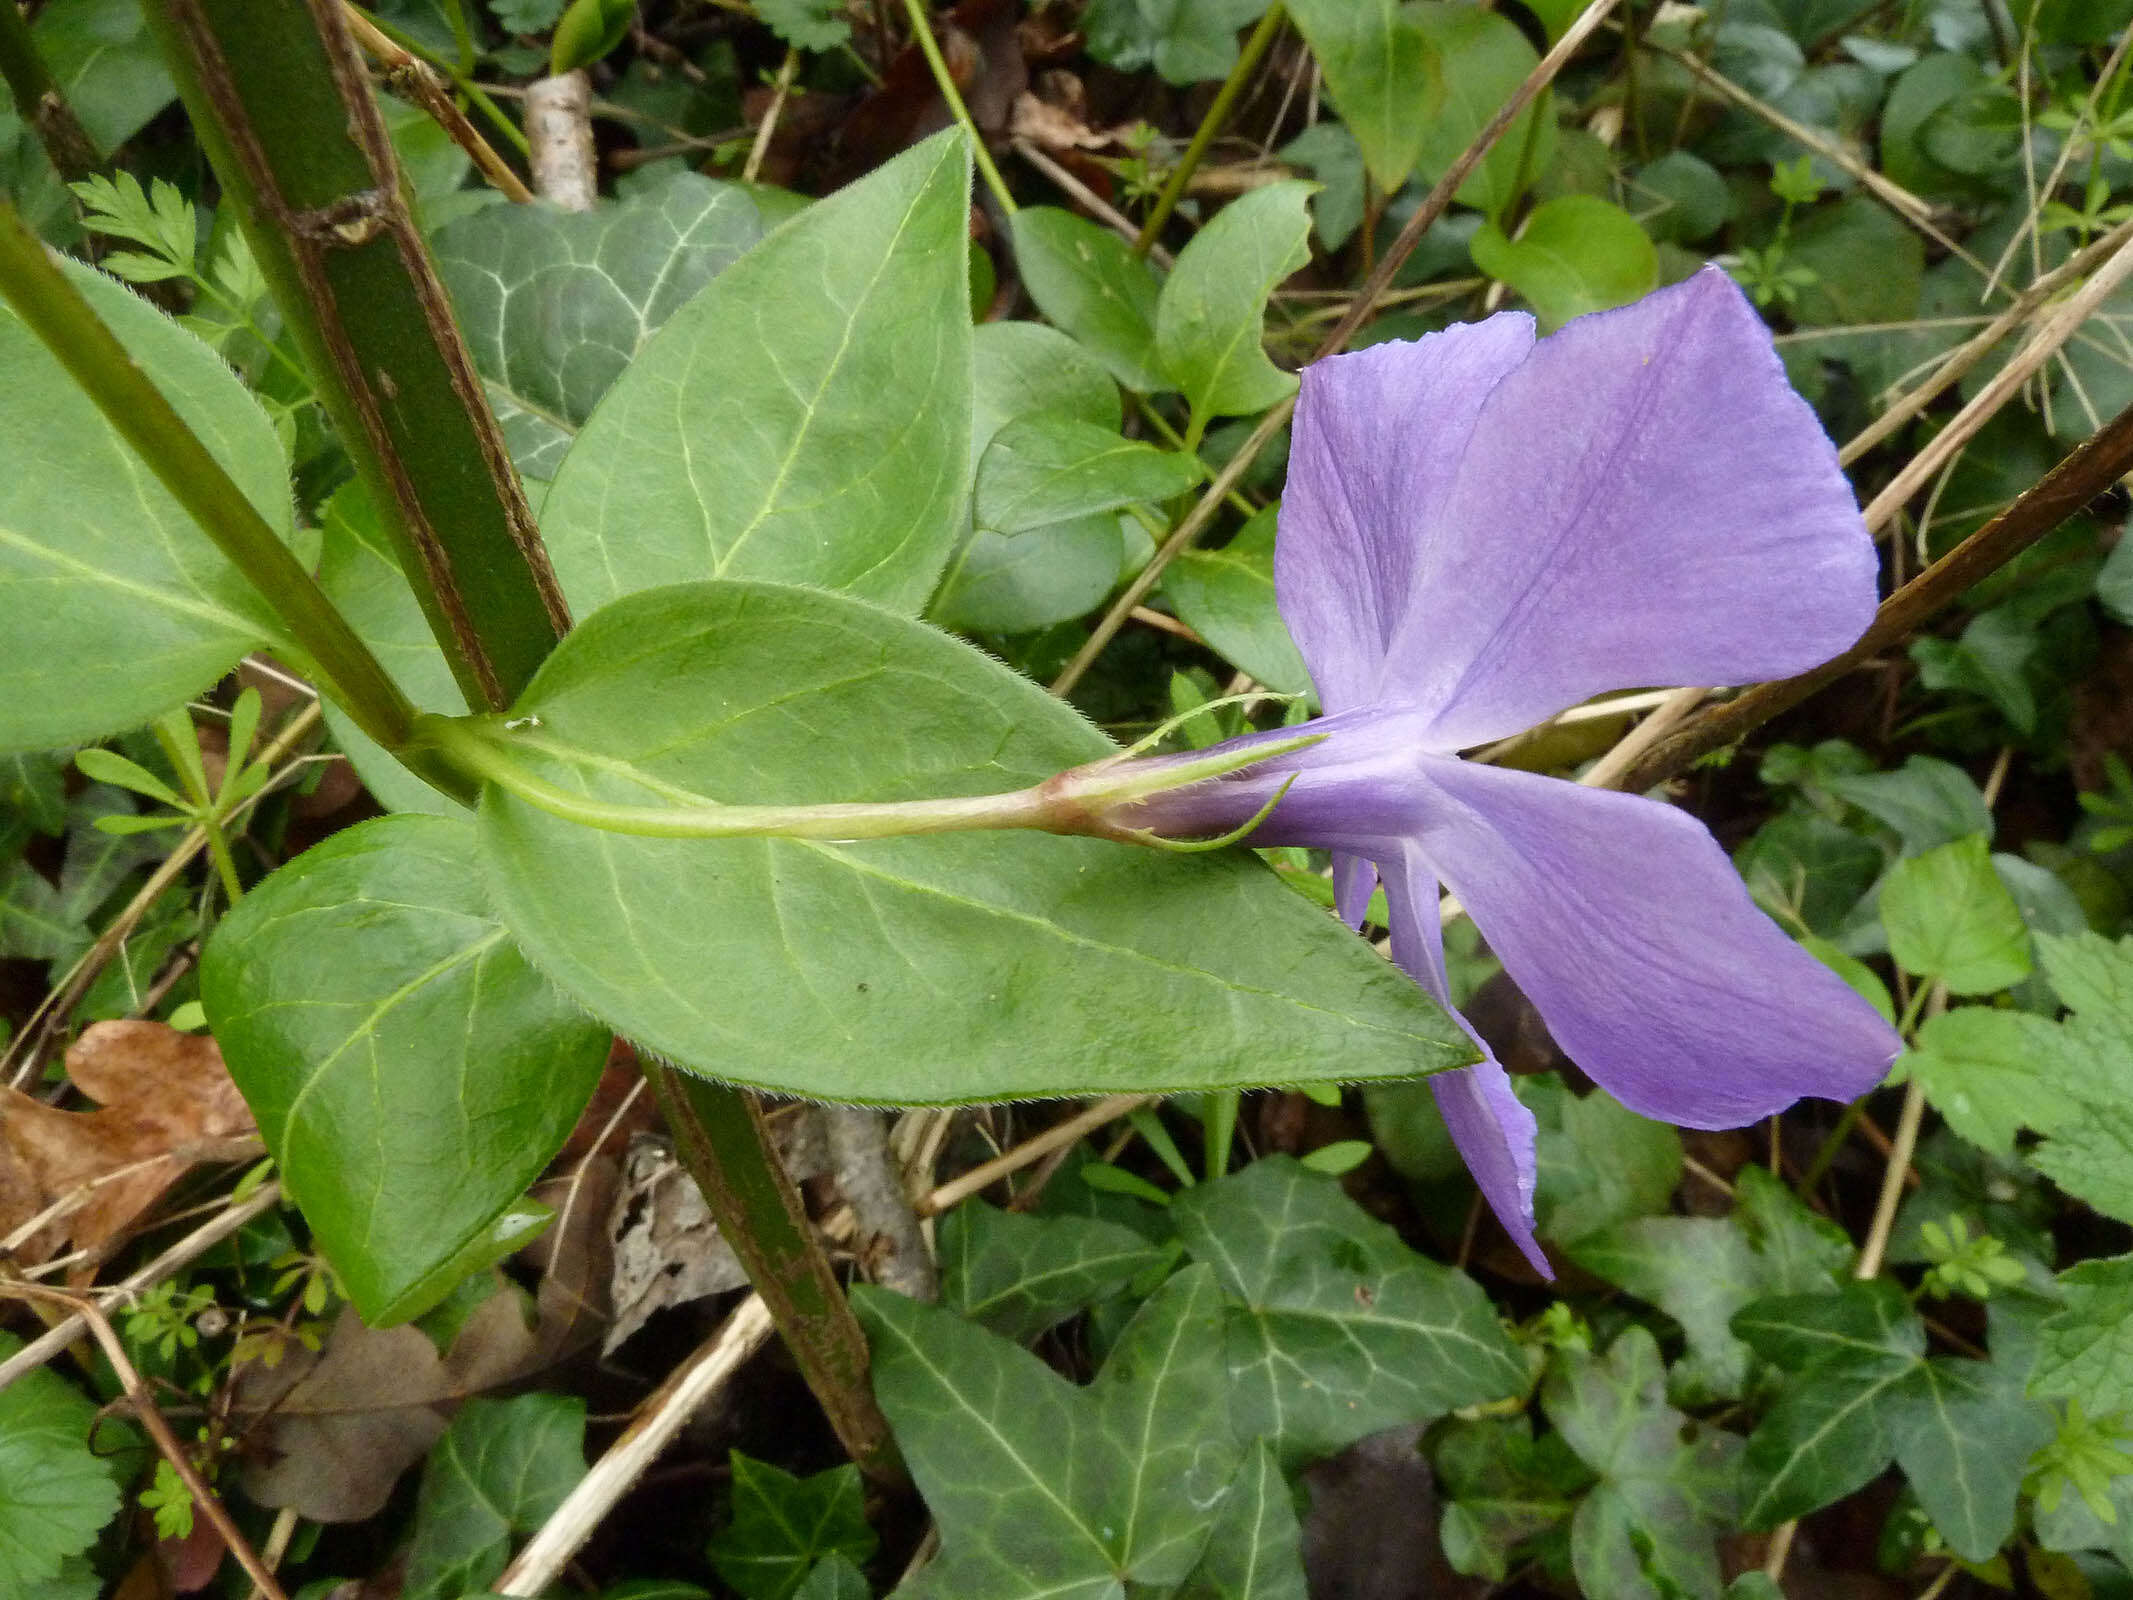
1359	312
195	1244
1057	1137
144	1408
657	1421
1089	200
1972	351
421	83
767	129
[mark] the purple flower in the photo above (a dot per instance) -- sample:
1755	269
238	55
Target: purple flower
1481	530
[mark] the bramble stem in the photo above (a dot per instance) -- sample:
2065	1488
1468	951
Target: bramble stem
55	311
1211	126
922	35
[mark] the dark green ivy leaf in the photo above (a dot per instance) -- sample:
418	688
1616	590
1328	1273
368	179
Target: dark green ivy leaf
784	1527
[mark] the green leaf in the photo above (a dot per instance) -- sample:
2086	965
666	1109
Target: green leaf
1699	1271
1209	323
1024	369
2085	1348
1090	285
33	785
1002	583
1040	1488
502	1468
1808	871
557	304
806	24
1383	74
834	1578
1018	1275
1949	917
1342	1329
1599	1162
1576	253
1331	155
1501	1487
113	605
1989	1074
56	1493
1668	1485
784	1525
1049	468
1802	1251
1680	198
410	1072
1256	1549
1927	801
105	61
1186	972
1227	597
1187	41
825	444
1963	1434
1483	59
360	572
1869	265
588	30
35	923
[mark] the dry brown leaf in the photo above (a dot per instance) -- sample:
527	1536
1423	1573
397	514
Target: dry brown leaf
166	1102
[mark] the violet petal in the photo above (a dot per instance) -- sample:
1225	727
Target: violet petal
1629	930
1378	439
1493	1129
1644	501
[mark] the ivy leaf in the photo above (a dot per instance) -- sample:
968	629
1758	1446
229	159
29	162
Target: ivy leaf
56	1493
1340	1329
1088	282
557	304
1256	1549
1209	322
1385	77
1863	1392
1227	597
1197	971
502	1468
1599	1161
1042	1488
1018	1275
411	1073
785	1526
1699	1271
1949	917
1669	1486
749	445
1502	1487
1187	41
106	585
834	1578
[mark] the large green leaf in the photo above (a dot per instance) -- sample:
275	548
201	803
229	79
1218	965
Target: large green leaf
1384	77
1227	595
1949	917
105	61
1484	58
556	304
502	1468
1576	253
56	1492
1018	1275
1043	1489
976	966
1017	583
1091	285
1209	324
113	605
1256	1549
805	418
2086	1348
410	1072
1342	1329
1669	1486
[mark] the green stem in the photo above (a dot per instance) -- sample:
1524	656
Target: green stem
477	97
283	108
56	312
1073	802
720	1136
38	100
1211	126
922	34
